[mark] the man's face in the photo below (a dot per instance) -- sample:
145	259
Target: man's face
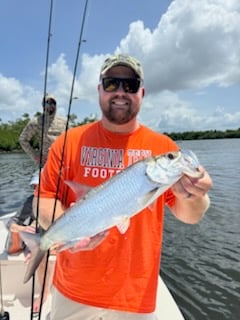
119	107
50	106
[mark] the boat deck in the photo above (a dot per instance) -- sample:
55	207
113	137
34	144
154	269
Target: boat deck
17	296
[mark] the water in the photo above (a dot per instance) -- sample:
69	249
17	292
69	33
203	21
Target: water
200	263
15	174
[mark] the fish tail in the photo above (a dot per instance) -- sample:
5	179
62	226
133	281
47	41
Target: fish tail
33	243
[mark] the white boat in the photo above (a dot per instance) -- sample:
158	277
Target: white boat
16	296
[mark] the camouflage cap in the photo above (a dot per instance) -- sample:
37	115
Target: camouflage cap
49	97
122	60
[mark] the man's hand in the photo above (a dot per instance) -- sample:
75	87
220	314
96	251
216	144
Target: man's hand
14	227
192	199
90	243
188	188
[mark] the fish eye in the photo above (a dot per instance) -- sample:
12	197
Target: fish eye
170	156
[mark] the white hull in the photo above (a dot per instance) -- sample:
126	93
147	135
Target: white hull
17	296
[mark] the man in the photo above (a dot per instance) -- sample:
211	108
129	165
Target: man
111	276
52	127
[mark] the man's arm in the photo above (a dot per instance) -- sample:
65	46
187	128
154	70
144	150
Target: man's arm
24	139
46	208
192	200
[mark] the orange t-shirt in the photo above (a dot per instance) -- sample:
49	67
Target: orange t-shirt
121	273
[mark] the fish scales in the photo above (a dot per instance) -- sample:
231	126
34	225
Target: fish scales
112	203
118	197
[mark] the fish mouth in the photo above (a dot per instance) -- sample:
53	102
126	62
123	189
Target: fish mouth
192	164
190	157
193	173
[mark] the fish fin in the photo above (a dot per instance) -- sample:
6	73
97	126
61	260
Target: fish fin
123	224
32	241
79	189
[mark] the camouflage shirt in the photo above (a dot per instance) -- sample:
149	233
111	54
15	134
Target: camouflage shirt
53	126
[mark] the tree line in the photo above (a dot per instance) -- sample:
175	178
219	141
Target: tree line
208	134
10	132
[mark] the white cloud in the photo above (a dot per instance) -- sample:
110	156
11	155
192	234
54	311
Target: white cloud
165	112
226	119
195	45
16	98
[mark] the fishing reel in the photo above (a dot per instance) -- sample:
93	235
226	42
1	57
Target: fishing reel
4	315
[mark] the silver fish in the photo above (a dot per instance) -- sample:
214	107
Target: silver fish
113	203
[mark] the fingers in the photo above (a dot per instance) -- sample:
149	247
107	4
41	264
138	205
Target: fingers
182	188
188	187
204	183
81	245
90	243
29	229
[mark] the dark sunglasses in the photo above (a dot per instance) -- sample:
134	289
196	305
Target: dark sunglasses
130	85
50	103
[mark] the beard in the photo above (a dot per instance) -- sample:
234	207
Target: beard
118	115
50	110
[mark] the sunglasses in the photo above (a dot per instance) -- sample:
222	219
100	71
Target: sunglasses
50	103
129	85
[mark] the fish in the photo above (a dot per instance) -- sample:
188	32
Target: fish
112	203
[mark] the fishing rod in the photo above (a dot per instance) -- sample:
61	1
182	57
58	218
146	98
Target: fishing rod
80	41
41	159
43	102
45	82
70	103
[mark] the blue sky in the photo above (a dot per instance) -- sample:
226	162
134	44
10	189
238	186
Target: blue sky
190	51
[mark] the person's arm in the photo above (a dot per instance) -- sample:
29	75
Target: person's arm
192	200
46	207
25	137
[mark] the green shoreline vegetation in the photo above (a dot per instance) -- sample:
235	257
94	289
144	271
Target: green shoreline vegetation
9	132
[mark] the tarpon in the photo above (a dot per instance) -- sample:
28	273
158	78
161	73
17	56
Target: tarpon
112	203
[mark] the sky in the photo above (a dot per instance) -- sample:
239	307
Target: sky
190	52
